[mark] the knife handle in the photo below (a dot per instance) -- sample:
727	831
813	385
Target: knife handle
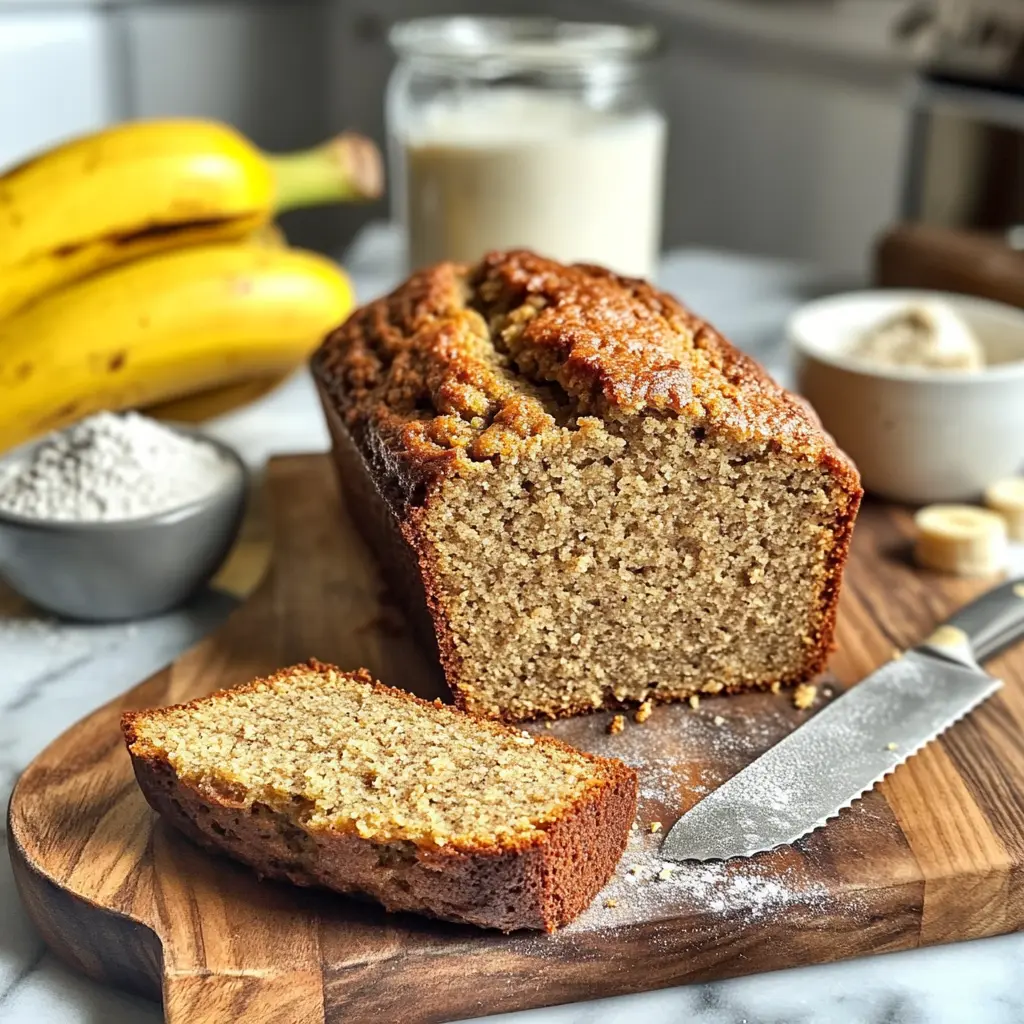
994	621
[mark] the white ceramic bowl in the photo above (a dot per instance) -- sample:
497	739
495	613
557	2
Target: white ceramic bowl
123	569
917	436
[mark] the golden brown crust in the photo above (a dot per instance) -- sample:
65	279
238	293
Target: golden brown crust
464	364
824	642
539	881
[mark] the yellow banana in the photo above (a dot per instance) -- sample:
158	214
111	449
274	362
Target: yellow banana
163	327
148	186
205	405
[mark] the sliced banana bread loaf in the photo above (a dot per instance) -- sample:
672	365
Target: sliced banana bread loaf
323	777
589	497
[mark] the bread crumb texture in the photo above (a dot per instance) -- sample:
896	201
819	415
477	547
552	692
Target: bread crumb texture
335	752
605	501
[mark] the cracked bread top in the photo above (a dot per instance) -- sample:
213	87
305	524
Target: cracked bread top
469	364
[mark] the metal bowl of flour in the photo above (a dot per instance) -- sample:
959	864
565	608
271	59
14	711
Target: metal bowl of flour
108	571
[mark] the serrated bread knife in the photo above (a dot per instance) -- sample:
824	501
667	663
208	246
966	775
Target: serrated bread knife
849	746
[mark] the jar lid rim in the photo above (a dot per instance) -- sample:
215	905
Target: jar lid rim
537	40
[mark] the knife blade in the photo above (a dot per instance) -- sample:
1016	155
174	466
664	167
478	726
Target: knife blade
833	759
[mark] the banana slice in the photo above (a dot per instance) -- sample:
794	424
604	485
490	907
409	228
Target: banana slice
960	539
1007	498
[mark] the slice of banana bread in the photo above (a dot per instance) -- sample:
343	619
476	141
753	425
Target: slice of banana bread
327	778
594	498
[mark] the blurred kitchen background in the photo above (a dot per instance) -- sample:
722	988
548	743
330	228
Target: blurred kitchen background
797	128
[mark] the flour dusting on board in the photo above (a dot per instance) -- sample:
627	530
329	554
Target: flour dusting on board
644	886
681	756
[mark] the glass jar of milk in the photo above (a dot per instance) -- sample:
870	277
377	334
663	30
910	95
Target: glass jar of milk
523	132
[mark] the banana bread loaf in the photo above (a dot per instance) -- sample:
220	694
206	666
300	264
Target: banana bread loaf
322	777
588	496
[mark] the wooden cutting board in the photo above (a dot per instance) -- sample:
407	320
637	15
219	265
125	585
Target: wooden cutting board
935	854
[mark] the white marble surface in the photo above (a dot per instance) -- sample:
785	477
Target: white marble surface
52	675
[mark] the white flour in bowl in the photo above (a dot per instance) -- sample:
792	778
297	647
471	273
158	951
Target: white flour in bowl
112	467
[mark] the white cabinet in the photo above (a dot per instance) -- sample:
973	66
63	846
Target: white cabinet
54	77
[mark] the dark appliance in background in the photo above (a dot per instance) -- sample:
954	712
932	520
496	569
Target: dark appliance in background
963	194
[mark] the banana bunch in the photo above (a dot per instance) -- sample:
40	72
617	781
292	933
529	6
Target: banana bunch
141	265
166	326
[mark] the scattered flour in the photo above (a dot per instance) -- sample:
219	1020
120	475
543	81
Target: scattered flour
112	467
681	755
646	888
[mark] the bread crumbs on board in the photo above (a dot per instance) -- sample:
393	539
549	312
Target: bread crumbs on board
673	756
643	712
616	725
804	696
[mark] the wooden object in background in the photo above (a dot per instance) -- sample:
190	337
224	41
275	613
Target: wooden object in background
930	257
935	854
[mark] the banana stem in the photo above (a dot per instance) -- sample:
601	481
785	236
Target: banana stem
345	169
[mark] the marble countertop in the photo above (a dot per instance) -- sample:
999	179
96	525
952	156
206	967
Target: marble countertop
54	674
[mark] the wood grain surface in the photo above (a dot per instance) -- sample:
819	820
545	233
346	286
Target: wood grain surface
935	854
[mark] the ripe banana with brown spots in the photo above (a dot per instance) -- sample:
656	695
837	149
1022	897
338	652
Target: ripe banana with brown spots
163	327
148	186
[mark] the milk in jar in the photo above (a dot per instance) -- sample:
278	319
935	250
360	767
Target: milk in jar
509	133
